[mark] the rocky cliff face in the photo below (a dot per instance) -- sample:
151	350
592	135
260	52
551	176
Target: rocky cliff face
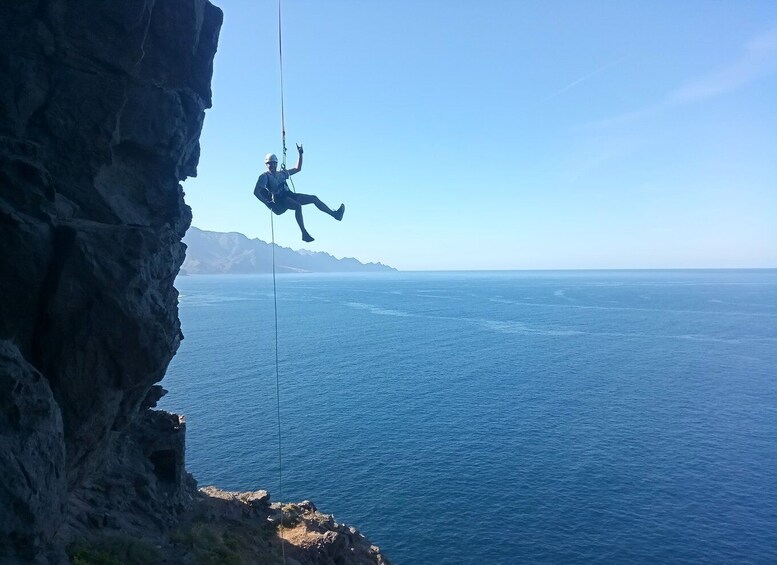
101	107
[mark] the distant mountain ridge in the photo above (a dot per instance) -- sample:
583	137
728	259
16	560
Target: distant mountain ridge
211	253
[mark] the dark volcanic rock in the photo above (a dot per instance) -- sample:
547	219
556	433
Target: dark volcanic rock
142	489
32	458
101	107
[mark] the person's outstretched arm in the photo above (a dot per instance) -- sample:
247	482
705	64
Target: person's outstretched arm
298	167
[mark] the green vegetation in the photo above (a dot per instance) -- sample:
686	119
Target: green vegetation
218	544
114	551
209	544
202	541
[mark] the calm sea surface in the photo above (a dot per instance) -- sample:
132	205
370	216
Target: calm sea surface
497	417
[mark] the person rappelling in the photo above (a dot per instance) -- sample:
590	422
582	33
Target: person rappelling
272	190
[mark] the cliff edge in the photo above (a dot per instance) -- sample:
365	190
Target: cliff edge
101	108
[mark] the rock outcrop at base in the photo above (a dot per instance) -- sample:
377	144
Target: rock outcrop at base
101	108
307	536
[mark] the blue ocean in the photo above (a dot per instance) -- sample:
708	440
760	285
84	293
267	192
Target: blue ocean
496	417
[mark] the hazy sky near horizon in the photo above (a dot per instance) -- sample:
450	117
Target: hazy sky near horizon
503	134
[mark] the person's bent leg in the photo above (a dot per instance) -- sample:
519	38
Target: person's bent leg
313	199
294	204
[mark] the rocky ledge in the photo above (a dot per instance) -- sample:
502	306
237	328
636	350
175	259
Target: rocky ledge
101	108
237	527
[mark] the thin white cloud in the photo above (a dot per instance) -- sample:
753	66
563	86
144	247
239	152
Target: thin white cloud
584	78
764	43
759	60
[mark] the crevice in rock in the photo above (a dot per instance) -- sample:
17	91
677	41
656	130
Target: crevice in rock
62	240
165	467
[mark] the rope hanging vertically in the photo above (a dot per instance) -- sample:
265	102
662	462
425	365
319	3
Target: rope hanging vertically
280	57
277	389
275	300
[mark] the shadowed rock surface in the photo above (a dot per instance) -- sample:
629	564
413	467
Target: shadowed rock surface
101	108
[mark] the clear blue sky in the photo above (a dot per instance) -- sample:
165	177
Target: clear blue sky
504	134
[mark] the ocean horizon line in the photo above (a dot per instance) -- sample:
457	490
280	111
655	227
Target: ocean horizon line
527	270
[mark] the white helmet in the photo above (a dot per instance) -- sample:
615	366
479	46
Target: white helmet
270	158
